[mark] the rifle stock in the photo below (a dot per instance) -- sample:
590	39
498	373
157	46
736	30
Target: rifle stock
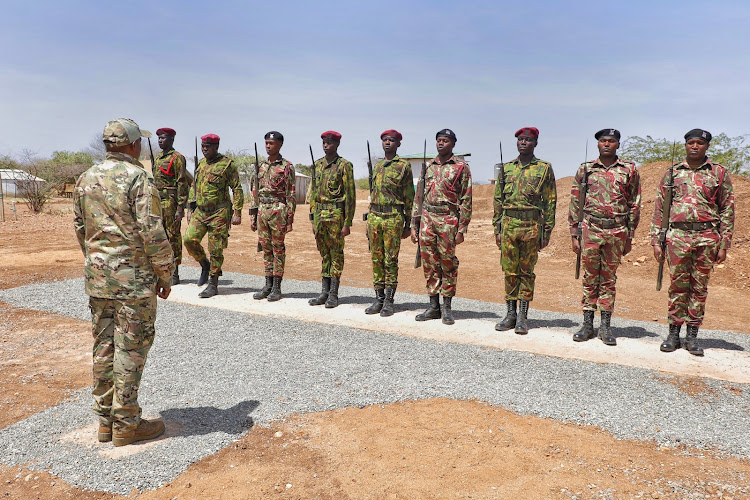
581	202
369	181
501	186
192	203
312	186
666	212
418	225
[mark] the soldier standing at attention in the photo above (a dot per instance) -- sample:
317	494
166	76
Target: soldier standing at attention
612	209
392	197
443	222
275	213
128	263
701	225
332	203
526	211
211	209
171	177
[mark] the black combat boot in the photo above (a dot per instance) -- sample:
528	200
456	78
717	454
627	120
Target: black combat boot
522	328
377	306
691	341
205	268
388	302
447	312
333	294
605	330
509	321
175	277
673	339
275	290
587	330
432	312
212	288
265	291
325	288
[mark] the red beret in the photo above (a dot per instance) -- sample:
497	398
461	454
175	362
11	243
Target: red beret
330	135
532	131
392	133
210	139
166	131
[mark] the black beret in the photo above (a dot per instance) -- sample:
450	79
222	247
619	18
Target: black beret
698	133
608	132
446	132
274	136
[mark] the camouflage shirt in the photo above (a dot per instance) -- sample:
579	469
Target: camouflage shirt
212	183
334	183
171	177
276	180
702	194
448	184
119	228
393	184
613	192
529	186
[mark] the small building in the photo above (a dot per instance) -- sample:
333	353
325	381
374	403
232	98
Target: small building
301	185
416	161
12	181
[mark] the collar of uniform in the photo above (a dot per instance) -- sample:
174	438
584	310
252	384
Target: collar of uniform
280	160
329	163
452	159
216	158
111	155
706	164
534	159
598	162
392	160
165	153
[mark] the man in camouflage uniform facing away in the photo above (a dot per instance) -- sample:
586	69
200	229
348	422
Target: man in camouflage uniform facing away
275	213
212	211
612	209
525	210
332	202
128	263
443	222
701	225
388	221
171	177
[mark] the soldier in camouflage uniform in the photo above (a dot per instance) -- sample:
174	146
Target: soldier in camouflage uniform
445	192
524	215
171	177
388	221
612	209
212	211
128	263
272	207
332	203
701	225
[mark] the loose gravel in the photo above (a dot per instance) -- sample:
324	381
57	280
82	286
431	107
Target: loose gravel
212	374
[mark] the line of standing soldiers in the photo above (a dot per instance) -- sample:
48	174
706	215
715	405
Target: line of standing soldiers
603	215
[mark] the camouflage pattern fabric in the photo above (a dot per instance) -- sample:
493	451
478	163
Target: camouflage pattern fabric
171	178
519	255
702	194
327	226
123	333
119	228
446	212
216	224
614	193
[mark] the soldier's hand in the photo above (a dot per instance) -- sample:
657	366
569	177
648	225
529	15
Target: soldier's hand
721	256
163	291
187	216
236	220
658	253
575	244
345	231
499	240
413	235
459	238
178	215
289	228
405	233
253	226
628	246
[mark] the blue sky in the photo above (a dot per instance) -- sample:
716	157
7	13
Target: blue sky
484	69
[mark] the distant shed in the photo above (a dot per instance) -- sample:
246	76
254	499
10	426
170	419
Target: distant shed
12	179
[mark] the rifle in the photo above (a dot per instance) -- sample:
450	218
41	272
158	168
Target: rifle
151	152
666	210
418	224
369	185
312	187
193	204
501	185
256	188
581	203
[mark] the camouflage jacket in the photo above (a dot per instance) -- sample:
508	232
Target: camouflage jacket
276	180
393	184
613	192
171	177
447	184
119	228
334	183
702	194
527	187
212	183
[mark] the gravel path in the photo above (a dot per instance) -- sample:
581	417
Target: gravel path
211	374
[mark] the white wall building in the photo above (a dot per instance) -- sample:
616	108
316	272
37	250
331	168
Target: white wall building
11	178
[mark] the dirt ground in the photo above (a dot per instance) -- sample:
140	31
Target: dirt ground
434	448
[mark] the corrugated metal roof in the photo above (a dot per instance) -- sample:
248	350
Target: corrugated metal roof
18	175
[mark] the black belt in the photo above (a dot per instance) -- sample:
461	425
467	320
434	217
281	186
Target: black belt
608	222
528	214
439	209
329	206
268	200
693	226
386	209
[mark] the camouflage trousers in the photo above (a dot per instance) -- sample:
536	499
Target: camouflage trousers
216	224
437	240
520	252
123	333
168	210
689	269
601	254
271	232
328	225
384	232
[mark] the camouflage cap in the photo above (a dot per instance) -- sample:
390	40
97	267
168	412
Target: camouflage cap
122	131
